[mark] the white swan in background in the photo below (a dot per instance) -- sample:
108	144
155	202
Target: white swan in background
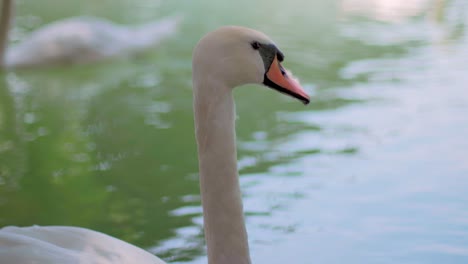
79	40
223	59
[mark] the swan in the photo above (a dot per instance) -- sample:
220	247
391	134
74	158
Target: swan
79	40
223	59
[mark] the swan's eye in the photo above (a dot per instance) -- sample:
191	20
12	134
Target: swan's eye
280	55
255	45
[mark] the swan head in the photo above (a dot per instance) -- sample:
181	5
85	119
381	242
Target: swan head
235	56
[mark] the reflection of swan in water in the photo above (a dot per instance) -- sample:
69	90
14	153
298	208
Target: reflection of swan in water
223	59
80	40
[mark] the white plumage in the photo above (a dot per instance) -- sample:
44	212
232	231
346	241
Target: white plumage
66	244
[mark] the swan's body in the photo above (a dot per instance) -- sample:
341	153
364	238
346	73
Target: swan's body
86	39
66	244
222	60
83	40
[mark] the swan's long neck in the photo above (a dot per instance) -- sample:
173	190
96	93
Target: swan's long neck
225	231
5	23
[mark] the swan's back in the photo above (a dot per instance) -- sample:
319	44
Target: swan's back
87	39
63	244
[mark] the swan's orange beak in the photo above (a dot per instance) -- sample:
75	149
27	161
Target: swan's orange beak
281	80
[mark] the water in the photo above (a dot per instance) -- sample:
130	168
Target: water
374	171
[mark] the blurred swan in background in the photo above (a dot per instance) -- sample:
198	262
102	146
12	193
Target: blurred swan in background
79	40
